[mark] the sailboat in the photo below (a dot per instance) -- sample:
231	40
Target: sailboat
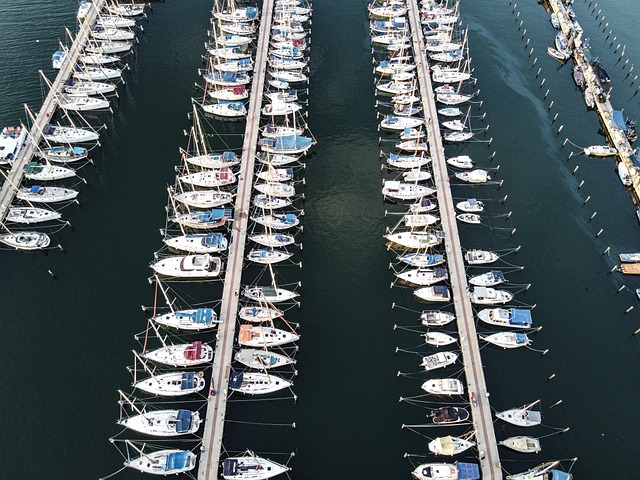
446	471
262	358
544	471
159	423
172	384
180	355
449	445
436	318
522	416
507	339
256	383
162	462
264	337
27	240
259	313
251	467
29	215
195	267
40	194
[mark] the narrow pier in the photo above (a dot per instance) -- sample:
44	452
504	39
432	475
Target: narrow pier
15	176
480	408
604	109
217	400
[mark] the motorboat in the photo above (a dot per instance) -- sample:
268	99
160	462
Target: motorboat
443	386
438	360
272	240
62	134
439	339
446	471
480	257
40	194
405	191
25	240
489	296
600	151
173	384
265	256
470	206
259	314
488	279
474	176
269	294
189	266
422	260
201	220
437	293
522	444
423	276
449	445
258	336
506	317
182	355
629	257
261	359
507	339
522	416
256	383
436	318
163	423
449	415
251	467
623	174
544	471
12	140
29	215
194	320
164	462
472	218
203	198
414	240
463	162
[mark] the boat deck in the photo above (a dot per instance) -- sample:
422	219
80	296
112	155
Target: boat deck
217	400
480	408
604	109
49	106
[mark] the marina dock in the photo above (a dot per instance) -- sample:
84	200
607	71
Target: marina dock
217	399
477	389
49	106
604	109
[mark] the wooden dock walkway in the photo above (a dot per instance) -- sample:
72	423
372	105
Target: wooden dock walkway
480	408
217	400
15	176
604	109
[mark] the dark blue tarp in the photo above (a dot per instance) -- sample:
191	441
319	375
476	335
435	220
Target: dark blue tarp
230	467
559	475
183	422
440	290
521	338
188	380
468	471
228	156
235	379
619	121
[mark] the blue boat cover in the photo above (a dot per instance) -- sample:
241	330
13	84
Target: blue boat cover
559	475
48	129
79	150
177	460
183	423
57	55
203	315
520	317
35	189
395	156
281	237
235	379
213	239
187	381
228	156
211	215
498	275
521	338
291	142
290	218
468	471
230	467
441	273
252	12
440	290
619	121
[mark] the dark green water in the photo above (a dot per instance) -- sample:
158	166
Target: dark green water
68	340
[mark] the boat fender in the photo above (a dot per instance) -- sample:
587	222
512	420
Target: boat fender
201	374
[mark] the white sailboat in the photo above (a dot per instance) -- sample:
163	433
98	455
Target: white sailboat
262	358
251	467
522	416
257	383
198	243
29	215
259	336
40	194
162	462
172	384
25	240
